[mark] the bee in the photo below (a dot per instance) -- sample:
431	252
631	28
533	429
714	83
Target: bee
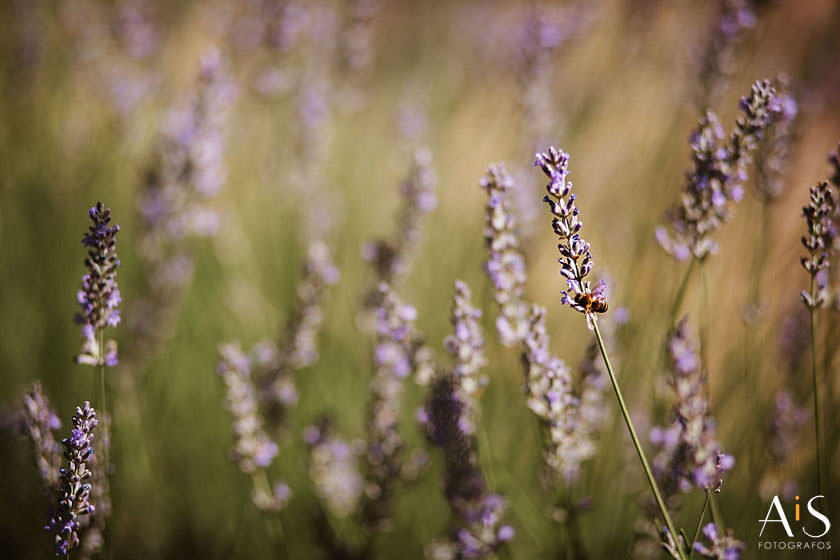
591	302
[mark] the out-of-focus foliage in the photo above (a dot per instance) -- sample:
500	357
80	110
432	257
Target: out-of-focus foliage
332	100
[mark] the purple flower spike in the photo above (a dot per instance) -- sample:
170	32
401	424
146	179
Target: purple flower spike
688	452
575	259
37	420
74	493
450	415
506	264
99	296
820	216
715	183
395	357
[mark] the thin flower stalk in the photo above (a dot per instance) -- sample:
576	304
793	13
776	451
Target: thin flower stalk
450	416
819	240
576	264
74	494
99	298
719	169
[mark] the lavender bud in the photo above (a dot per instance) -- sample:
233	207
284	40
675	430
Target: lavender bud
506	264
575	258
819	241
74	493
334	468
253	450
37	420
99	296
394	360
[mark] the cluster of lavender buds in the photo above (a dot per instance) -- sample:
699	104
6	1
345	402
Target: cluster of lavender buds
715	183
99	295
253	450
74	493
189	169
394	360
688	453
774	152
551	398
720	547
334	468
506	264
299	347
449	416
820	215
391	258
718	60
575	258
571	422
37	420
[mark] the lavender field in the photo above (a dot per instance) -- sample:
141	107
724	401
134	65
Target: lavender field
447	280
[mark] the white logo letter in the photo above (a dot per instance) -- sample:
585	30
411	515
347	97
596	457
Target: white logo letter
782	519
819	516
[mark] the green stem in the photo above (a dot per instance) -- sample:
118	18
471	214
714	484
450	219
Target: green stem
817	428
699	523
648	473
102	402
681	291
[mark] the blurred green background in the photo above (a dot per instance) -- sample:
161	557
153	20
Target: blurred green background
623	93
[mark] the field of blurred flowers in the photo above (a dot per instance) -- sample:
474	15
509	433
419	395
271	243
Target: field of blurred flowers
324	344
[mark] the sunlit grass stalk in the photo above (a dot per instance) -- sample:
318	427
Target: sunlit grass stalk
636	443
699	523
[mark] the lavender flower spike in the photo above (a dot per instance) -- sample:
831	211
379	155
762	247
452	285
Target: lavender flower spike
451	425
688	453
575	258
37	420
819	215
99	296
721	547
394	359
253	450
74	494
715	182
506	265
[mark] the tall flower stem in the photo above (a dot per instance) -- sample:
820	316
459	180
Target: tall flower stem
817	428
645	465
102	403
699	523
681	291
